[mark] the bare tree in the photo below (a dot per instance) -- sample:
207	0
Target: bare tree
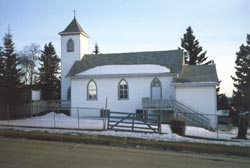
28	60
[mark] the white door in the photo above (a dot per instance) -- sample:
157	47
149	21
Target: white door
156	92
156	89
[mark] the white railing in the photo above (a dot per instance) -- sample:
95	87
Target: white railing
192	115
154	104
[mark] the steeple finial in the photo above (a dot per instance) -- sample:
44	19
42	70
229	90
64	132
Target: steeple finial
74	13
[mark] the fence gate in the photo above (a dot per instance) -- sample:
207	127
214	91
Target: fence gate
132	122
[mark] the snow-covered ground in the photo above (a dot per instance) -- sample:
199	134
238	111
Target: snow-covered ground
62	121
59	121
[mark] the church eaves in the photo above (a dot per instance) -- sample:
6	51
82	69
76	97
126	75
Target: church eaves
73	28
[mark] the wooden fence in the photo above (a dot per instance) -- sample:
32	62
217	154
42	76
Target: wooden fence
147	123
33	108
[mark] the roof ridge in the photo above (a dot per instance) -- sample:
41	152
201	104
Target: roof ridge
134	52
200	65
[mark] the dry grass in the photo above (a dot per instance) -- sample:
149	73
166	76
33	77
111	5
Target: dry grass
131	142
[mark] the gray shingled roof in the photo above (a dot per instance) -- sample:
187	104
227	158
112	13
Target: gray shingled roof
73	27
197	73
172	59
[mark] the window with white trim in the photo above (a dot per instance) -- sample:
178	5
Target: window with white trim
123	90
92	90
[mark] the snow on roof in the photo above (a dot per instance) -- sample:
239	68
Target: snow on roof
172	59
125	69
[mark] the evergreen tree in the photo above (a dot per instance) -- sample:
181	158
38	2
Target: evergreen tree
222	102
49	80
12	74
96	50
192	51
241	96
2	75
218	94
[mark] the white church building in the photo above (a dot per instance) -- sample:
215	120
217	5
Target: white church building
136	81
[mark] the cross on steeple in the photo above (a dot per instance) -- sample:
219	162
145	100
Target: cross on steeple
74	13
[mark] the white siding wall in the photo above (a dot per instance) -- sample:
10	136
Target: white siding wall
68	58
84	45
108	88
201	98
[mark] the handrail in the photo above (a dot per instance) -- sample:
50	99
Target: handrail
192	114
191	109
198	118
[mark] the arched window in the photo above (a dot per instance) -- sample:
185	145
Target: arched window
69	93
70	45
156	89
92	90
123	89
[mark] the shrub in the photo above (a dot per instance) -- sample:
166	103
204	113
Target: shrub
178	127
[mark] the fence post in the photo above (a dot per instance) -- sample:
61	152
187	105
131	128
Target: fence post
159	125
54	119
217	128
8	114
105	114
108	115
133	119
31	109
160	119
78	118
103	117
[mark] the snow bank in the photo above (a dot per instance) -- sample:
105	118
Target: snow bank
58	121
63	121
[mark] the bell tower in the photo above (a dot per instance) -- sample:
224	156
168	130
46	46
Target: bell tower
74	45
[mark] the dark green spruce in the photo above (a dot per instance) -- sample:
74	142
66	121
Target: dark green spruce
222	102
49	80
11	73
193	52
2	76
241	94
96	50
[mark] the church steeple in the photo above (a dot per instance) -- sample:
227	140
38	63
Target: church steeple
74	45
73	28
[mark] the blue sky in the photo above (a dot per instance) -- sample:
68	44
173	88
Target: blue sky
135	25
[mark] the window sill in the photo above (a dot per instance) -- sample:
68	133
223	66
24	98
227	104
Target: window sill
123	99
91	99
